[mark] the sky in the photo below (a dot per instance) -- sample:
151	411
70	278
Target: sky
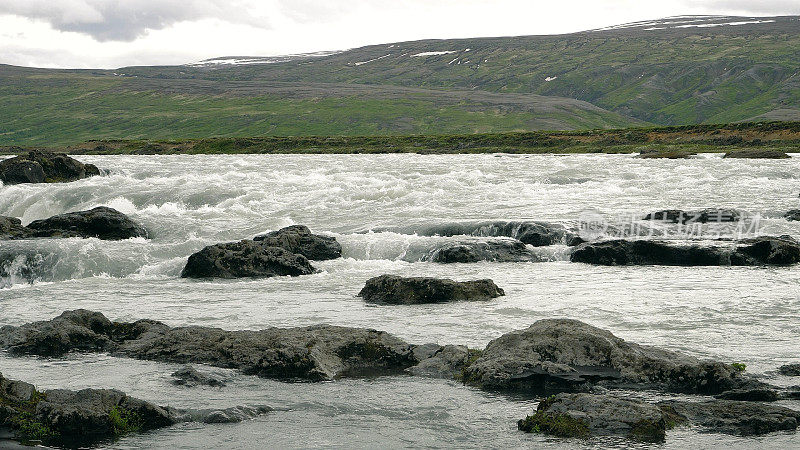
118	33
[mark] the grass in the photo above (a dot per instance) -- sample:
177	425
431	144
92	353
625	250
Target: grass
124	421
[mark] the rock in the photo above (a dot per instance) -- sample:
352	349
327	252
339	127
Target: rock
44	167
790	370
537	234
448	362
11	228
585	415
757	154
101	222
78	419
793	215
497	250
245	259
758	251
191	377
394	290
656	153
711	215
563	355
316	353
750	395
732	417
299	239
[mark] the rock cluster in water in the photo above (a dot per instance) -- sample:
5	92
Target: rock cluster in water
537	234
757	154
90	416
395	290
701	216
44	167
101	222
285	252
759	251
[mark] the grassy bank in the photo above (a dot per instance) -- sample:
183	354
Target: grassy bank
784	136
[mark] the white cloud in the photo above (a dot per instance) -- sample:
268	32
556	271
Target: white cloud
114	33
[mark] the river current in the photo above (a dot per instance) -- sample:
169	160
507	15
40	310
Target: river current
746	315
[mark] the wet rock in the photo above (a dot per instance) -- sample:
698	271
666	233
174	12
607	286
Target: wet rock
299	239
498	250
44	167
790	370
793	215
758	251
11	228
563	355
394	290
245	259
229	415
315	353
656	153
585	415
447	362
191	377
732	417
101	222
533	233
711	215
757	154
750	395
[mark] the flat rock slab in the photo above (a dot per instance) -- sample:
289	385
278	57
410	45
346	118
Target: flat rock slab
564	355
101	222
779	251
494	250
299	239
533	233
757	154
733	417
44	167
245	259
394	290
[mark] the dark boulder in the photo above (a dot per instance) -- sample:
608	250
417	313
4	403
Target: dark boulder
732	417
750	395
497	250
757	154
793	215
11	228
101	222
711	215
586	415
537	234
563	355
191	377
790	370
758	251
245	259
299	239
44	167
78	330
394	290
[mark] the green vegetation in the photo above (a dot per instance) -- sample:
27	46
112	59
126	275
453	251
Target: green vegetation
472	356
124	421
739	367
648	431
559	425
28	429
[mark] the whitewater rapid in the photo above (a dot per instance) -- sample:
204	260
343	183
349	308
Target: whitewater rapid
186	202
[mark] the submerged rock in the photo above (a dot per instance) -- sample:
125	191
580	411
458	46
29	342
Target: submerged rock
790	370
394	290
758	251
191	377
497	250
732	417
533	233
793	215
44	167
299	239
87	417
315	353
446	362
101	222
711	215
757	154
586	415
245	259
563	355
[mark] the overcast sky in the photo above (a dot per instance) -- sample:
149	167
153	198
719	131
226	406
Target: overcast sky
115	33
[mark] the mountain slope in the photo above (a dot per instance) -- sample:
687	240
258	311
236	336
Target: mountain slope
673	71
49	107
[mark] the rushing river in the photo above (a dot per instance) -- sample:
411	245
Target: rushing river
747	315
